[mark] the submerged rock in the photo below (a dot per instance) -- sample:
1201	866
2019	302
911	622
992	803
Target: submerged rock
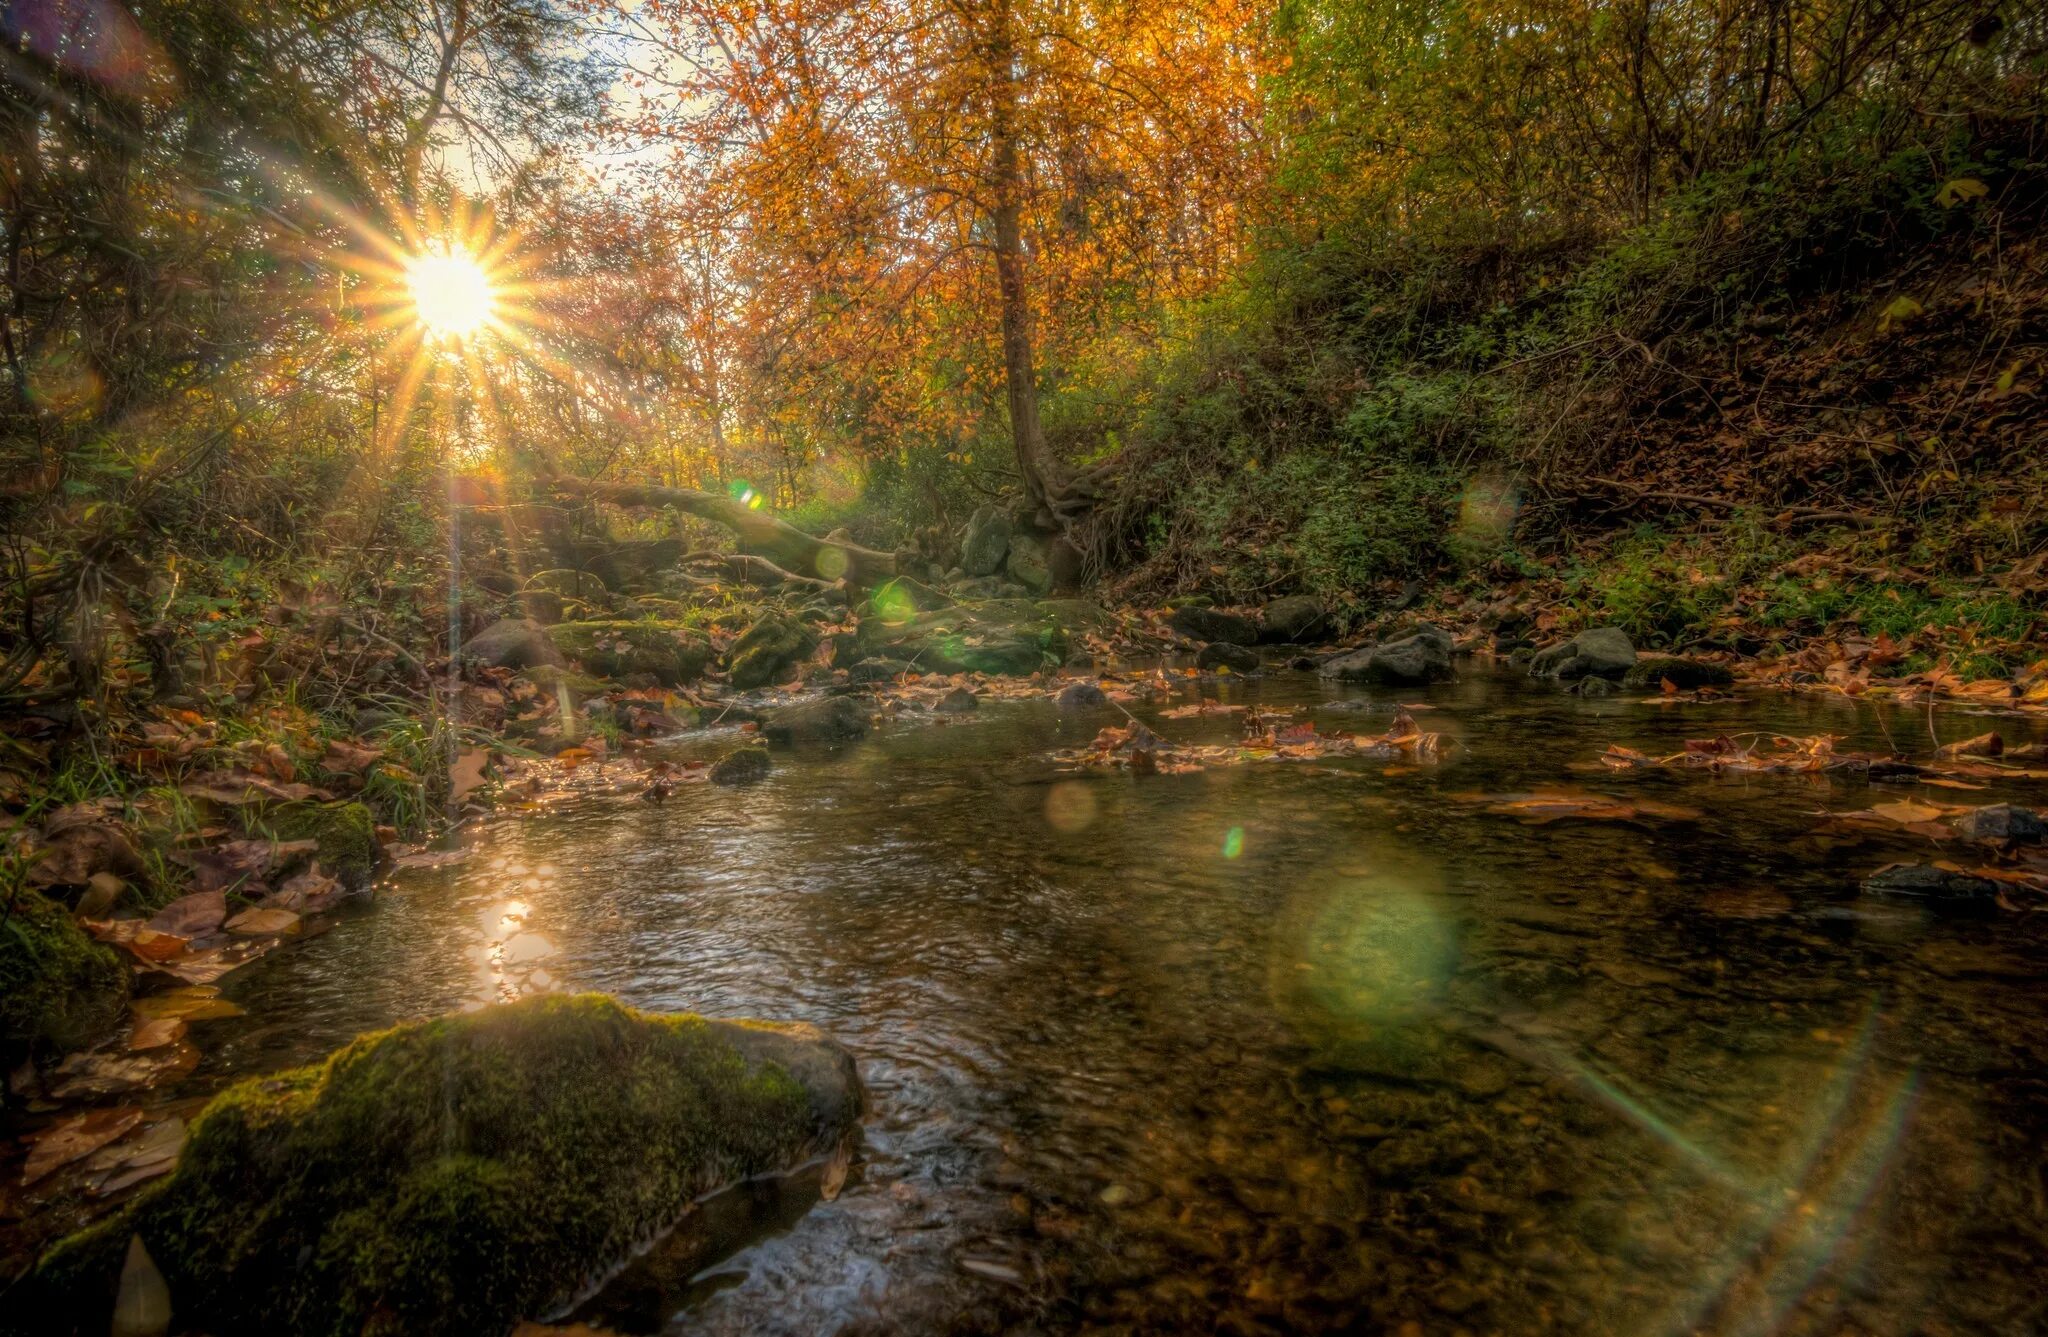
828	719
1602	651
668	653
1412	661
458	1175
1209	624
1080	696
742	767
1295	620
1681	671
768	650
58	988
1942	889
1222	654
2002	822
513	642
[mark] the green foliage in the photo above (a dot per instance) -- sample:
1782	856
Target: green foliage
456	1175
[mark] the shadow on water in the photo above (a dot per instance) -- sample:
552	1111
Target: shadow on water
1288	1048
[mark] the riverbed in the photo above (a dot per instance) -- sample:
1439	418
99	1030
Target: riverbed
1290	1047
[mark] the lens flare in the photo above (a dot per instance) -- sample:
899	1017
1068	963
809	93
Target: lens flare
452	296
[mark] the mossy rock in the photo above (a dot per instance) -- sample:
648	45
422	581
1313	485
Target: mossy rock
768	649
671	654
1012	637
1682	671
347	832
58	988
458	1175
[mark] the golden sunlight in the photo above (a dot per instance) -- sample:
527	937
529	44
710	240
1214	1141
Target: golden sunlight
452	296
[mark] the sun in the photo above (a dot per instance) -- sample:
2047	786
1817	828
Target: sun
452	296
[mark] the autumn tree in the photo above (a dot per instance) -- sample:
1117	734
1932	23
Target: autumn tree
915	179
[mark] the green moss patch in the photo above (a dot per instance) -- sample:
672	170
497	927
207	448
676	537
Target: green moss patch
667	652
58	988
768	648
347	833
457	1175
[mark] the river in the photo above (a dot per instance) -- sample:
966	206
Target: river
1289	1047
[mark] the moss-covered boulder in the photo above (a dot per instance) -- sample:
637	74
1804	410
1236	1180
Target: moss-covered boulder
455	1176
346	832
58	988
1009	636
768	650
669	653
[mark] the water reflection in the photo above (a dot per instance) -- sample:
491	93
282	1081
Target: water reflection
1292	1048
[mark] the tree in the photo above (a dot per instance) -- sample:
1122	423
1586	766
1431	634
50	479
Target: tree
903	169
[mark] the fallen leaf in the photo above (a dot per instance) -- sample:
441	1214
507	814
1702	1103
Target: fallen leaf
142	1303
264	922
193	916
77	1138
197	1002
1983	745
155	1032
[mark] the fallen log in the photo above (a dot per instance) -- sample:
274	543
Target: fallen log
783	544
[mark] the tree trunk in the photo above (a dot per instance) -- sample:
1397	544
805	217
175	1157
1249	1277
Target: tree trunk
1020	375
785	545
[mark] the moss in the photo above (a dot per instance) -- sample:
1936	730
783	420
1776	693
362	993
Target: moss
668	652
456	1175
1682	672
58	988
768	647
347	833
997	637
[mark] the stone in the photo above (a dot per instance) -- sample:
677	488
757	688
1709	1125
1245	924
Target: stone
514	642
986	542
1602	651
1030	563
1222	654
1209	625
741	767
59	989
670	654
1943	890
1410	662
876	670
2002	822
958	702
1651	672
768	651
345	834
1080	696
457	1175
1065	564
1004	638
1295	620
828	719
1592	686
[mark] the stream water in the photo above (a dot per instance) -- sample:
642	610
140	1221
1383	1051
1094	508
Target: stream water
1289	1047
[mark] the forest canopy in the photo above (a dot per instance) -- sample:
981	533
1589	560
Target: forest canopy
875	261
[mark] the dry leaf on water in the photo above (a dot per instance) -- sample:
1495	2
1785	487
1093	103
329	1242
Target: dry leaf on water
1983	745
77	1138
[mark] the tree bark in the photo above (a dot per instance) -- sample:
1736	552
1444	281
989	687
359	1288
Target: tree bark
783	544
1006	217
